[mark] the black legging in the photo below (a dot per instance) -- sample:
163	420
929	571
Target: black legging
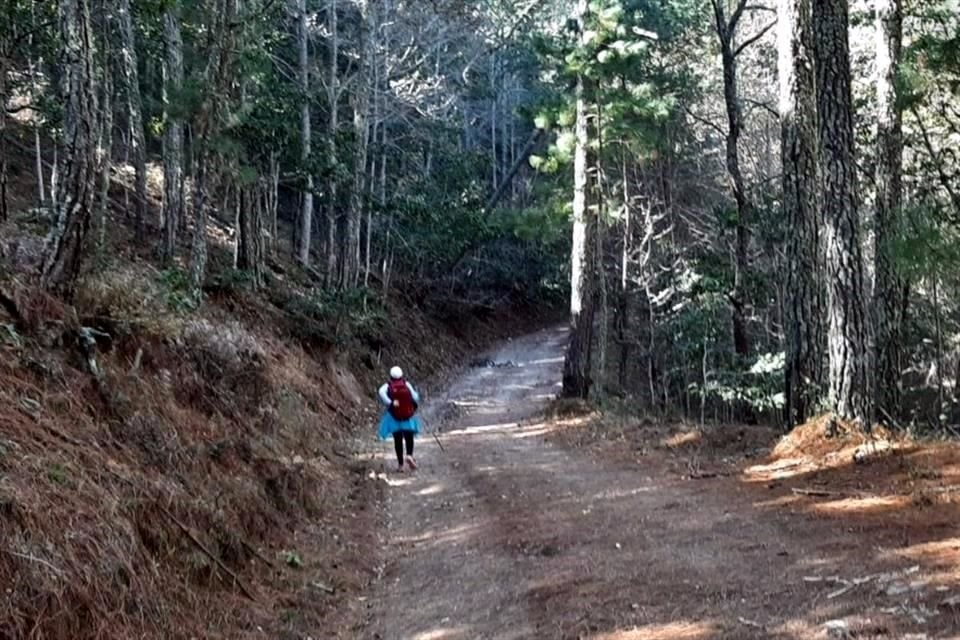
399	437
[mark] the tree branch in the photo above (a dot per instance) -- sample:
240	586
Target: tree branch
749	41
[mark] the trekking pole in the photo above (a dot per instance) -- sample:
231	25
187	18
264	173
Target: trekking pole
440	444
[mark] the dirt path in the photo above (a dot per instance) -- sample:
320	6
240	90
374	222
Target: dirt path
504	535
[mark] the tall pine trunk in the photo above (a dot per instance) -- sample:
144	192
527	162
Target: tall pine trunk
173	133
576	366
888	284
76	185
847	334
306	207
798	121
131	77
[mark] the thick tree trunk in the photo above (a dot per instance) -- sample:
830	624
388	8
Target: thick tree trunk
131	77
76	186
306	206
804	305
173	133
847	335
576	366
888	284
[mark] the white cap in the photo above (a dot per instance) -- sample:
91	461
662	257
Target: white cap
396	373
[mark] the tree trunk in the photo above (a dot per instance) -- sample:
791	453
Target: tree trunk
726	31
76	185
105	143
350	261
131	77
887	321
306	208
4	214
173	133
847	339
250	235
798	121
208	124
576	366
333	95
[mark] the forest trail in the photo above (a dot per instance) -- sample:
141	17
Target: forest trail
505	535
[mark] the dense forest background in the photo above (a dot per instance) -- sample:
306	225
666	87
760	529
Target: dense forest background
734	211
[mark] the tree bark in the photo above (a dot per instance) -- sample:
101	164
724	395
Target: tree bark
798	122
847	334
306	207
131	77
173	133
250	236
76	186
576	366
105	141
888	284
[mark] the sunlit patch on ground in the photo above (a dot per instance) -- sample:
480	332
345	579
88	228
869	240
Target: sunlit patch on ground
444	633
682	439
865	504
668	631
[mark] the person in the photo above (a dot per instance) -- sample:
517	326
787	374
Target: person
400	418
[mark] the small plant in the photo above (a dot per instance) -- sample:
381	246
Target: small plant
176	286
58	475
293	559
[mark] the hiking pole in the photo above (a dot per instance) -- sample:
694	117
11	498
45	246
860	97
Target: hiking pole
435	437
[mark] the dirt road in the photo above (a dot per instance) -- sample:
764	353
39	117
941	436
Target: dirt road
505	535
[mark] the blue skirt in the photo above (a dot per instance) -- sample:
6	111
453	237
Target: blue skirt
390	425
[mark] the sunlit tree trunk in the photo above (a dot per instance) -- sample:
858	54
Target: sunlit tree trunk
576	366
76	185
847	334
888	284
804	304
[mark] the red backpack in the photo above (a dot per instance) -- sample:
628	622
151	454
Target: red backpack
399	391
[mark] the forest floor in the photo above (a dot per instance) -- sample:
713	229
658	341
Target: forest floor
580	526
